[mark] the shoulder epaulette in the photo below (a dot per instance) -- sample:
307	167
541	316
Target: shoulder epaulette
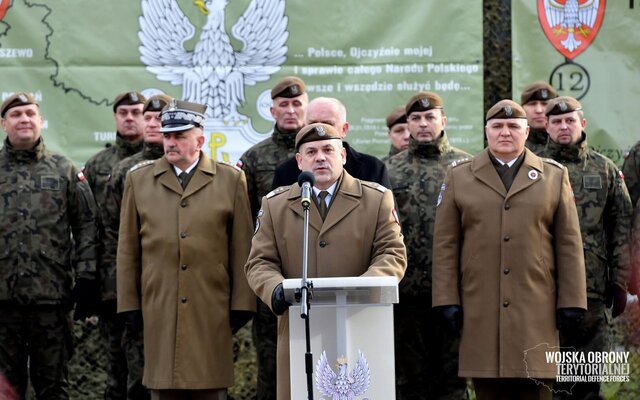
375	185
234	166
460	162
552	161
141	164
277	191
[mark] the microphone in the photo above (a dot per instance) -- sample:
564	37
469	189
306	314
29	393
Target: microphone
306	181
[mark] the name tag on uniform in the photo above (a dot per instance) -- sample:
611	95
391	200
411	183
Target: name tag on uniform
49	183
592	182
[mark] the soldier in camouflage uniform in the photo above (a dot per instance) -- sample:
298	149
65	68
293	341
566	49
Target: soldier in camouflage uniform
288	108
631	171
398	132
45	200
130	341
426	357
534	100
604	211
127	108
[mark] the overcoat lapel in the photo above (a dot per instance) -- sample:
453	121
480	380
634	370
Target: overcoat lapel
347	199
203	176
483	169
315	221
530	172
163	171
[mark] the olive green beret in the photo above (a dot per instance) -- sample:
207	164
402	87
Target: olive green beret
505	109
128	99
562	105
315	132
423	101
181	115
16	100
156	103
539	90
289	87
397	116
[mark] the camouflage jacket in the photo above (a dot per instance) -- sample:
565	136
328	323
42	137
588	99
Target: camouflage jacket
392	152
604	210
111	216
631	170
98	168
537	140
259	163
45	201
416	176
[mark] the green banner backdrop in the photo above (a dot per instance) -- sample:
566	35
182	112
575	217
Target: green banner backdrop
75	56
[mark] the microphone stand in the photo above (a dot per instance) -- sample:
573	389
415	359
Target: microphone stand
304	295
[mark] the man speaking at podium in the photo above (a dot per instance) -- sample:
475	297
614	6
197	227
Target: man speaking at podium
353	231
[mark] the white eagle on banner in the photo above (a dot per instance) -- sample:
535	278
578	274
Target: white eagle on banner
342	387
571	16
213	73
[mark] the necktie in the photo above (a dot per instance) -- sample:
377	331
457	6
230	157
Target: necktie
322	206
182	177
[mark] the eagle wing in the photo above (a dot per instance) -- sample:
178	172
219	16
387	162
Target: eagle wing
262	29
587	13
325	377
554	12
163	31
360	376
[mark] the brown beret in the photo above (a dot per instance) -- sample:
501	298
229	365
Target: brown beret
156	103
562	105
539	90
181	115
128	99
315	132
16	100
397	116
505	109
289	87
423	101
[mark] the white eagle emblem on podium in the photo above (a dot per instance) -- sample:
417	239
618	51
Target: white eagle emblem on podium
213	73
340	386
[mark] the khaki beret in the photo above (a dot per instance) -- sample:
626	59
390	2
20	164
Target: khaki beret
16	100
397	116
315	132
289	87
423	101
156	103
181	115
505	109
539	90
128	99
562	105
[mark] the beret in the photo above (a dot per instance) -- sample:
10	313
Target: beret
156	103
397	116
505	109
562	105
315	132
16	100
289	87
423	101
128	99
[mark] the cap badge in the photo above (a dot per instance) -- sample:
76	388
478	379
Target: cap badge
320	131
562	106
508	111
533	175
424	103
23	98
155	103
294	89
173	104
544	93
133	96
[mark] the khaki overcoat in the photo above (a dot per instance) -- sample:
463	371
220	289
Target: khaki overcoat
509	259
180	259
360	236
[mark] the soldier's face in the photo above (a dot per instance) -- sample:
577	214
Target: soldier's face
426	126
289	113
535	113
325	158
566	128
152	127
399	136
506	137
183	148
129	122
327	112
23	125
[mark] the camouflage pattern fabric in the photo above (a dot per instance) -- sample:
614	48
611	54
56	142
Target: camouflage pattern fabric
392	152
259	164
537	140
426	359
87	374
604	210
631	171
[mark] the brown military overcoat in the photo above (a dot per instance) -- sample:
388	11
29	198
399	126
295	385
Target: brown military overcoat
509	259
180	259
360	236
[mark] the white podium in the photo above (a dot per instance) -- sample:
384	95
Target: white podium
351	321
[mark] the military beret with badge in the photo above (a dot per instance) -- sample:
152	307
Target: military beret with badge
538	91
16	100
289	87
316	132
397	116
156	103
128	99
423	101
506	109
562	105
